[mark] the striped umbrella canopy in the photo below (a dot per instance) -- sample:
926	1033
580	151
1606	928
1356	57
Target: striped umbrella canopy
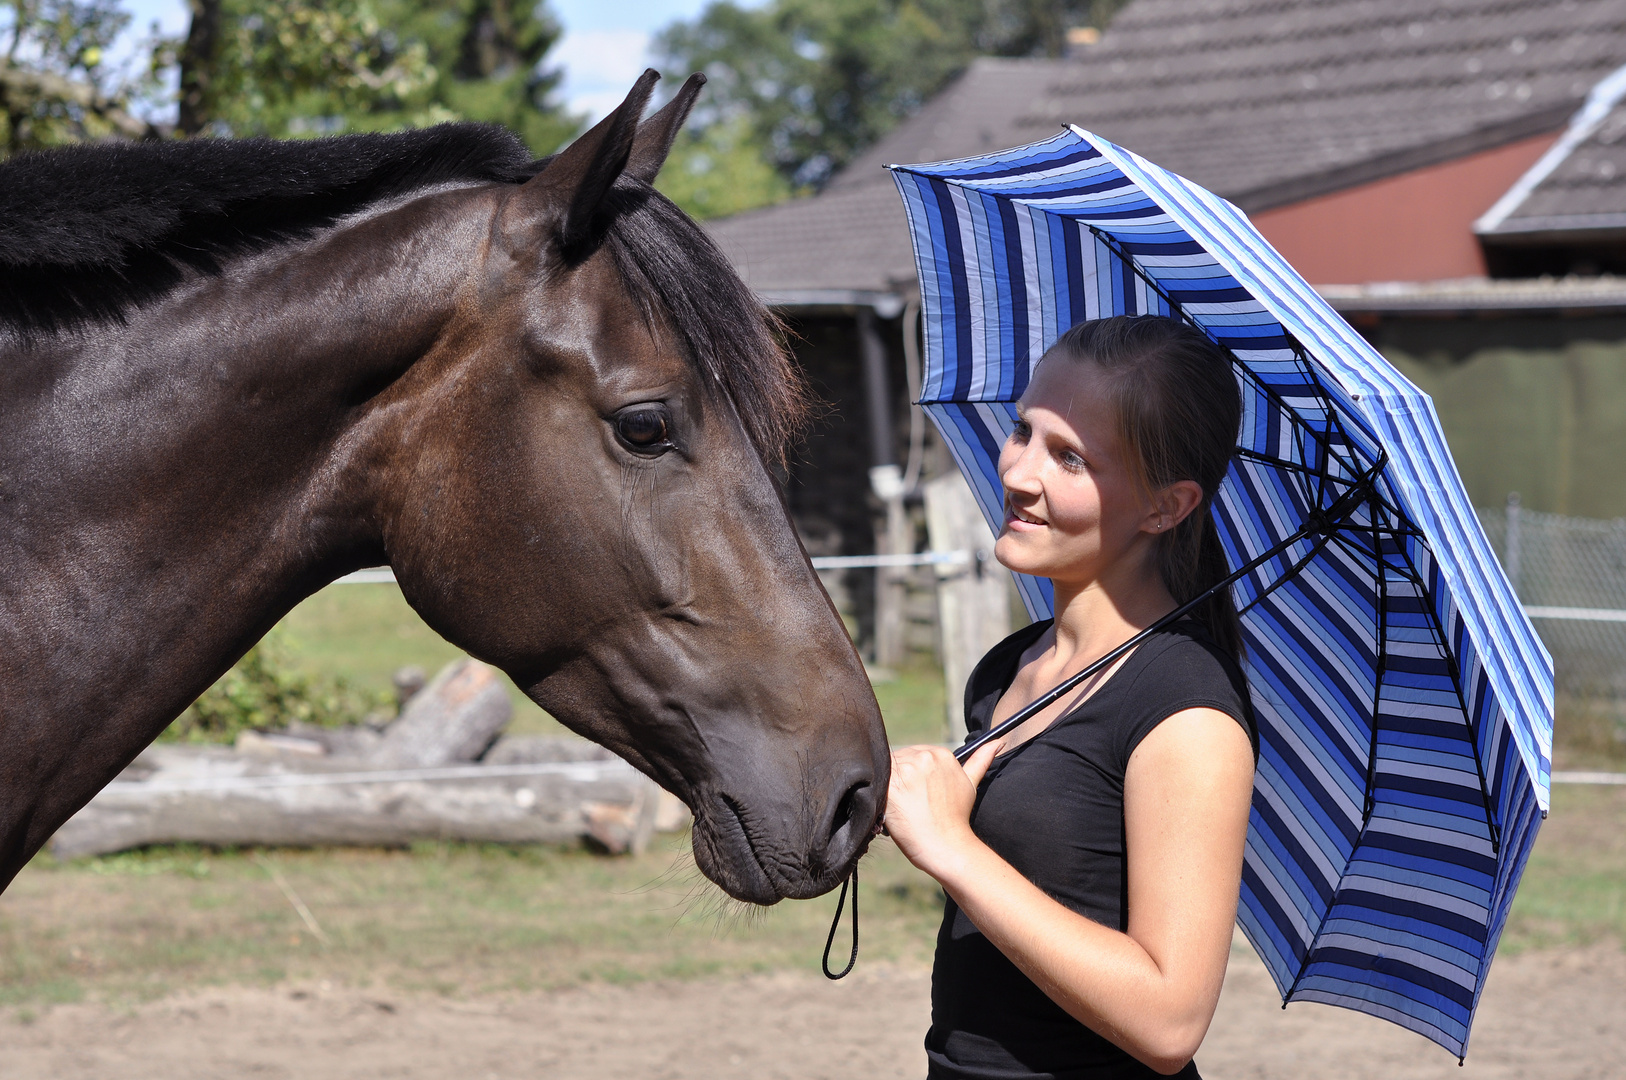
1404	702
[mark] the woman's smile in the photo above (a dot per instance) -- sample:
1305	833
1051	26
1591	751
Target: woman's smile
1022	521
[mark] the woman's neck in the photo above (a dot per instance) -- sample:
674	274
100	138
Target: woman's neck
1095	616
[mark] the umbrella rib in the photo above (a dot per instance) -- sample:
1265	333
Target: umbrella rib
1377	501
1368	802
1438	633
1302	361
1382	666
1269	391
1291	571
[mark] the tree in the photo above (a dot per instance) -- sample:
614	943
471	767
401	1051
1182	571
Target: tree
197	62
292	67
718	169
54	85
818	80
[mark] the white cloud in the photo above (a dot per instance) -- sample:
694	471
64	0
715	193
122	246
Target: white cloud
600	66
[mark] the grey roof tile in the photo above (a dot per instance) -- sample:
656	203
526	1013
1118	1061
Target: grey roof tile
1264	101
839	240
1585	192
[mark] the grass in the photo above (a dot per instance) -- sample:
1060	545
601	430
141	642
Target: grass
1574	887
459	920
469	920
445	918
363	633
1589	733
912	703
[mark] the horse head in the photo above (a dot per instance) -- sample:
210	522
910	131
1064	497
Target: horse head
586	501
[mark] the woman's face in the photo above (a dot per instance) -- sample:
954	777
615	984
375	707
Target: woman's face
1073	508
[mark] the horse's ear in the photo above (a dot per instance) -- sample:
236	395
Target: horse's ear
655	135
577	179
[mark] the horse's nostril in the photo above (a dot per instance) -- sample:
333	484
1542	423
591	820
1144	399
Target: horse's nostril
849	823
844	808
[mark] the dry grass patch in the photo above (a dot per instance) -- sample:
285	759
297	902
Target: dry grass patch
1574	888
453	919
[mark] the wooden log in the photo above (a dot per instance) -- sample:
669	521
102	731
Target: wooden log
455	718
216	797
973	600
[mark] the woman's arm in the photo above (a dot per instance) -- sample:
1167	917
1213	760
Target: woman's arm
1152	990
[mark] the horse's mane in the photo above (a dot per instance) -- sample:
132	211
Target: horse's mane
89	232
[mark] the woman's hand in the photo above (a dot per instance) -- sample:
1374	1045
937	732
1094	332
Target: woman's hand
928	805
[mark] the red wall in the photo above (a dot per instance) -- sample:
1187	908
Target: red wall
1414	227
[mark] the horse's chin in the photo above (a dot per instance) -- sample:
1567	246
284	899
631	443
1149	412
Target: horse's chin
728	855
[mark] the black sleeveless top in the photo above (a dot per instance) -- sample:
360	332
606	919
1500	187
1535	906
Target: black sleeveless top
1053	808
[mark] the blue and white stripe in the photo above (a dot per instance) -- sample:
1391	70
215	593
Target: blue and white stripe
1405	703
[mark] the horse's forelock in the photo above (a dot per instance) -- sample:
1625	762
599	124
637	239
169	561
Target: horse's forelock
673	270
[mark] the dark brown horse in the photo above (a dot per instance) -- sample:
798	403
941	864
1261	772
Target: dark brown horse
232	371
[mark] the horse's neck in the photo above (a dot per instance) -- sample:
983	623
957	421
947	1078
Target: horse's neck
170	487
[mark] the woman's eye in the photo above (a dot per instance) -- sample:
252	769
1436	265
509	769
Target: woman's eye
642	429
1021	431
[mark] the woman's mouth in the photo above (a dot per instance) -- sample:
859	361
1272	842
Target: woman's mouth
1016	519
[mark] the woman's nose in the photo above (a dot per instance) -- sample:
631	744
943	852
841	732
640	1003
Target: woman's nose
1021	472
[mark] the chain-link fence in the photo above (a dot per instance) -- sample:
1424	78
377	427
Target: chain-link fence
1571	575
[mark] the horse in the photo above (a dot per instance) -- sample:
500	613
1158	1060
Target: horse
232	371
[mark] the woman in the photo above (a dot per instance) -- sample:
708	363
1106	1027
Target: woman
1092	858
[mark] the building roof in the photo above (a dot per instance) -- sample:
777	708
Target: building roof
839	240
1578	189
1603	294
1266	102
853	234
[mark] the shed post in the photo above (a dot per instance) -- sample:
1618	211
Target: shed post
973	598
886	480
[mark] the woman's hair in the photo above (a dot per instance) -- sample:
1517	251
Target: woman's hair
1179	410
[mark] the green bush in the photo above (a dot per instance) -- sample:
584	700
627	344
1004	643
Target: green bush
260	692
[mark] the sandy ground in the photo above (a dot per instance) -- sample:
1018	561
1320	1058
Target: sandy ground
1558	1015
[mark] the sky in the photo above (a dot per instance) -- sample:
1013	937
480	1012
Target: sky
604	48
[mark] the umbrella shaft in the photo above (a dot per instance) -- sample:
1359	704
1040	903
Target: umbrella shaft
1050	697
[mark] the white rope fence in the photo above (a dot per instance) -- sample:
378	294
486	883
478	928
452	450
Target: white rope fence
1609	778
383	575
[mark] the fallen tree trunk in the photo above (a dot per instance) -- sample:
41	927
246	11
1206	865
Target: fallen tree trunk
221	798
455	718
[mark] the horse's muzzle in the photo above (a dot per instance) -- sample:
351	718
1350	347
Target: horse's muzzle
758	853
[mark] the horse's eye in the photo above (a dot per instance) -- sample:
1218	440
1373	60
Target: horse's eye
642	429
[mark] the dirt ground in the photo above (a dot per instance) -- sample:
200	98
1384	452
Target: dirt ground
1558	1014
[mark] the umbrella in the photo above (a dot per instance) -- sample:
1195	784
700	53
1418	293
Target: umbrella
1404	702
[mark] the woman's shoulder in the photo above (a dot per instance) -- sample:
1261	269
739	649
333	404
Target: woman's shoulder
1181	668
1187	644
